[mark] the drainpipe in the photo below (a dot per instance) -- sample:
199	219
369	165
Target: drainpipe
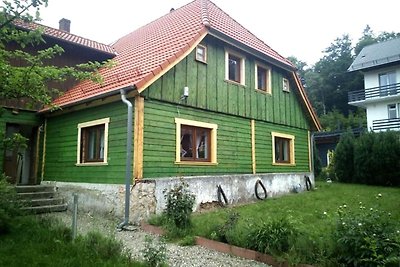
128	167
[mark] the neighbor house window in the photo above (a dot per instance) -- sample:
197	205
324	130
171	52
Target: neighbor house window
93	142
234	67
201	53
392	111
283	149
196	142
286	86
387	83
263	78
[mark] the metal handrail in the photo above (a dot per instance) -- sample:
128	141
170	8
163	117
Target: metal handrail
386	124
374	92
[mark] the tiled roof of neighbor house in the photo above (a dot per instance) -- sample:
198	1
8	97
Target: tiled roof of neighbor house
66	36
377	55
153	49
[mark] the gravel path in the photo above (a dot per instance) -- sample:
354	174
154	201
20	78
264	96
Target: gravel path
133	240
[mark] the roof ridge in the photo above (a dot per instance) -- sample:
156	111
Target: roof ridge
204	13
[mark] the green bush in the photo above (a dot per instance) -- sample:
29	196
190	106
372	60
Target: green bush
179	208
344	158
273	237
154	252
9	206
366	238
224	232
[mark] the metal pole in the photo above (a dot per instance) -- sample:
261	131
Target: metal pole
74	216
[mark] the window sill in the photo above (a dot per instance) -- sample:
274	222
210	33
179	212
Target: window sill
264	92
91	164
235	83
284	164
196	163
201	61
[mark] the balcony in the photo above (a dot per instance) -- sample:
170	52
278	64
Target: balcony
374	93
386	124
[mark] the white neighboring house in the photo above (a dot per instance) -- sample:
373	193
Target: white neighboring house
380	64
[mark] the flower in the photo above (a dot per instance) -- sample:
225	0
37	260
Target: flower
371	209
379	195
325	213
344	206
359	224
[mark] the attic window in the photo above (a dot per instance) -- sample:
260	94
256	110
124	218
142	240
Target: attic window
263	78
234	67
286	86
201	53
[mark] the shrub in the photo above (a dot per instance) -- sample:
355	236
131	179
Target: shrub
366	238
179	208
9	207
344	158
223	232
154	253
274	237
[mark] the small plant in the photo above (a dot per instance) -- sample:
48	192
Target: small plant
179	206
367	237
273	237
154	252
9	207
222	232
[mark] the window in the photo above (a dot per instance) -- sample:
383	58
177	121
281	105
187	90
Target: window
387	83
263	78
201	53
286	86
92	142
392	111
234	67
196	142
283	149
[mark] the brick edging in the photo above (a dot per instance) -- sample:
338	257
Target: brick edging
226	248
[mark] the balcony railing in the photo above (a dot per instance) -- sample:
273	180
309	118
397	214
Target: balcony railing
374	92
386	124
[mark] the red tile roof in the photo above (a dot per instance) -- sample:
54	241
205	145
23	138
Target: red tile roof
153	49
66	36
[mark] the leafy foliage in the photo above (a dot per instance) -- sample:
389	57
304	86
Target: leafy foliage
179	206
154	252
9	207
367	237
344	158
224	231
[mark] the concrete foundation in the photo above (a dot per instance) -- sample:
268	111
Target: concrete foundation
147	196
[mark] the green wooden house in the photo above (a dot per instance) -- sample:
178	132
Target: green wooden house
24	165
211	102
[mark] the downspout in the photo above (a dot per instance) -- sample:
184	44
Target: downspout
128	167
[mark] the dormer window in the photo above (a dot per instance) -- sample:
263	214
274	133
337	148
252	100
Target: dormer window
234	67
201	53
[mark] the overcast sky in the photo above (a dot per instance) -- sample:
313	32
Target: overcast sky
291	27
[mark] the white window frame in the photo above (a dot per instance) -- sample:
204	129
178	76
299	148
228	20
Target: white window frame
83	125
285	85
268	74
292	159
242	67
396	110
204	48
213	142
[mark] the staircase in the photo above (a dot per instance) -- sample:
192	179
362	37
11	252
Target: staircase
40	198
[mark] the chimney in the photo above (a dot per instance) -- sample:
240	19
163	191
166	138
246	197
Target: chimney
64	25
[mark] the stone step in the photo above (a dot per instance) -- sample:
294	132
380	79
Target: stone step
42	202
34	188
35	195
46	209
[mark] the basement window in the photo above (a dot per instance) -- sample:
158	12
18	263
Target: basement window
92	142
282	149
196	142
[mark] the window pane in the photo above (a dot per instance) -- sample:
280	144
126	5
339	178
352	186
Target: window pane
202	144
234	68
392	112
91	144
186	142
101	156
282	150
261	78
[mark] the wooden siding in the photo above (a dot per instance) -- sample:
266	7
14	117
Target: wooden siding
234	155
208	89
61	146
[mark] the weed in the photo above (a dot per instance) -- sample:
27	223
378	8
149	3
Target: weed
154	252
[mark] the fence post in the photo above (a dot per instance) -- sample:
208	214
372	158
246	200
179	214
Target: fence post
74	216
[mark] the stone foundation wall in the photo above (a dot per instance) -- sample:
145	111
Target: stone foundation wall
147	196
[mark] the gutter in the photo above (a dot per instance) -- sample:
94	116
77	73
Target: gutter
128	167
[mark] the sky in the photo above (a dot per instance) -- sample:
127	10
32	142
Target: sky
303	29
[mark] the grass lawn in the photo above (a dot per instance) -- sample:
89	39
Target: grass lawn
314	213
46	242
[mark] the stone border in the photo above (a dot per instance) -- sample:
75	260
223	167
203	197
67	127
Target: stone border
228	249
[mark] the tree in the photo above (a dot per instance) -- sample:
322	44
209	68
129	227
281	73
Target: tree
30	79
